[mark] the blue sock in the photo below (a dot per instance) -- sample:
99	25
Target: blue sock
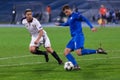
88	51
71	58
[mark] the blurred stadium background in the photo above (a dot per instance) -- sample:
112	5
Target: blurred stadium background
89	8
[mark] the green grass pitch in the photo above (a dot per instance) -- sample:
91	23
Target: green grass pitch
16	62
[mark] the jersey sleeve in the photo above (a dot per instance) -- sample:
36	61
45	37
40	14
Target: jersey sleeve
64	24
38	25
82	18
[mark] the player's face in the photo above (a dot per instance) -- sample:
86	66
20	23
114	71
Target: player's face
29	16
67	12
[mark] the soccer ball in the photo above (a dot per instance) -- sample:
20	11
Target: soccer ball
68	66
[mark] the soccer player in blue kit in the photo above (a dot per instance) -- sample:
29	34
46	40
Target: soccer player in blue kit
77	41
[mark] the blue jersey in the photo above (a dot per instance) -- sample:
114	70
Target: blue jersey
74	22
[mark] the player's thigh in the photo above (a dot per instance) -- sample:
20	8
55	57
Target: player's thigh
32	45
32	42
79	42
70	44
46	41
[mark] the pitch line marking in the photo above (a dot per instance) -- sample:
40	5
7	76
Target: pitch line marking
17	57
21	64
99	58
5	58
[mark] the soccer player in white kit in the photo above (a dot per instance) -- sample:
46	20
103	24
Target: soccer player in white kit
38	37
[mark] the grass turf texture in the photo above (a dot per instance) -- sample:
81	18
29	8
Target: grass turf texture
16	63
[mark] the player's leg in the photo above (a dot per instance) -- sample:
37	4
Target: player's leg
33	48
49	49
67	52
81	52
54	54
70	58
36	51
79	46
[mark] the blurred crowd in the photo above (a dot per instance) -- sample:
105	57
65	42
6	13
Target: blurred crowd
104	16
42	16
107	15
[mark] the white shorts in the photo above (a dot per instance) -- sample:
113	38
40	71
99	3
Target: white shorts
43	41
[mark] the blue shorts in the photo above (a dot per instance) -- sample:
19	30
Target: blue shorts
76	42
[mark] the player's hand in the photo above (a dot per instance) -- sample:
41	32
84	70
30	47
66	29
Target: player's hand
36	42
94	29
57	24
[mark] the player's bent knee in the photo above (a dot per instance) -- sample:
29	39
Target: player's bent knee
79	54
32	50
67	51
49	49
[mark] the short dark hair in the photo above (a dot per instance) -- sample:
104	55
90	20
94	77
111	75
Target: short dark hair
27	10
65	7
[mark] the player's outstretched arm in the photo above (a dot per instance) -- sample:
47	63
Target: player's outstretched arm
89	24
62	24
57	24
82	18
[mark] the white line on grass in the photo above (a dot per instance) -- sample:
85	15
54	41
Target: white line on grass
23	64
20	64
16	57
99	58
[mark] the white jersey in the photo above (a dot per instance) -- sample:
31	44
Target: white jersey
33	27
